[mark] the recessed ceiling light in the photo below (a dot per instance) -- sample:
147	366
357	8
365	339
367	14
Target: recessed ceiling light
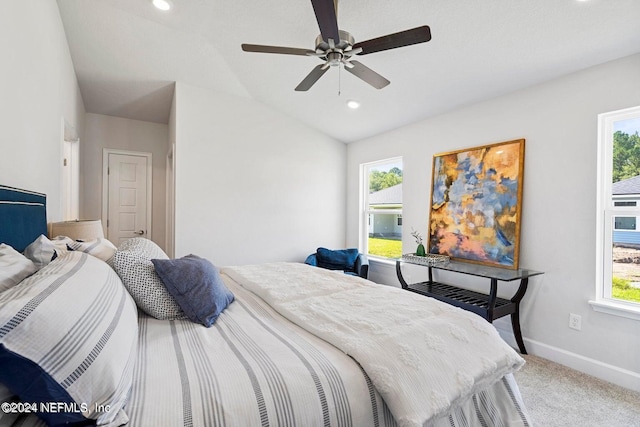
162	4
353	104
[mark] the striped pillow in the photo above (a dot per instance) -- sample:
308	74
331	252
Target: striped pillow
99	248
68	336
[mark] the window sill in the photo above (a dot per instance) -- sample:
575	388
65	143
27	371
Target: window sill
385	266
382	261
617	309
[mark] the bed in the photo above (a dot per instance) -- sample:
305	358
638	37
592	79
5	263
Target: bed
294	345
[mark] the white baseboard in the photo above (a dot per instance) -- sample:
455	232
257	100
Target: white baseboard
604	371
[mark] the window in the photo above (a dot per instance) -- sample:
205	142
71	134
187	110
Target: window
618	238
624	223
381	221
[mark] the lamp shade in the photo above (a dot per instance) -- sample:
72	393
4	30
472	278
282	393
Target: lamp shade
90	229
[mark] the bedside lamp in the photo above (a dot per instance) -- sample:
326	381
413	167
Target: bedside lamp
90	229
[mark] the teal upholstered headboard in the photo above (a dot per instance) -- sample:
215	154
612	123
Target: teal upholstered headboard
23	216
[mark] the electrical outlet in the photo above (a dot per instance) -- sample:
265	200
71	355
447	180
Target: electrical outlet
575	321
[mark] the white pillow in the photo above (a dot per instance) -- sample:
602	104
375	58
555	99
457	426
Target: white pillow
61	244
99	248
41	251
13	267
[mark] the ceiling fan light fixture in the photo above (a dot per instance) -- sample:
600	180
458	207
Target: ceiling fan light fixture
353	104
336	47
163	5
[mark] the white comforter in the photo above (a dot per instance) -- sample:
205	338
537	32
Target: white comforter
423	356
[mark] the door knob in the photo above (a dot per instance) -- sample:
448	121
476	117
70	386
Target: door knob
140	232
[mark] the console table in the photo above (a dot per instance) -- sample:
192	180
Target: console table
489	306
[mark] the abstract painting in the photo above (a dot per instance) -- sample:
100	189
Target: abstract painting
476	202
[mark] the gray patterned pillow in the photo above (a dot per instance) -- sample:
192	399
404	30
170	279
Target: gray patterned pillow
132	262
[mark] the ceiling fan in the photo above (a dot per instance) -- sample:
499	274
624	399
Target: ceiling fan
336	47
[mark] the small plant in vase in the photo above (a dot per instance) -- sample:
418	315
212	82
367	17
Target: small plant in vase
420	251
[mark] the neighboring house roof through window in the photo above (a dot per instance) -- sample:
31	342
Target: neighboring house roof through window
627	186
386	197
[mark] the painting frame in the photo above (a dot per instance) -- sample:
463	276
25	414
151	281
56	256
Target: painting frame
476	204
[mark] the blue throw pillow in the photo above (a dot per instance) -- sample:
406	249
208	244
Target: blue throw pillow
196	286
343	259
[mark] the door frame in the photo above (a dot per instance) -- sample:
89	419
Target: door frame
171	201
70	172
105	184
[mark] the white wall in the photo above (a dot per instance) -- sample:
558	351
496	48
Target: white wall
123	134
253	185
558	119
38	90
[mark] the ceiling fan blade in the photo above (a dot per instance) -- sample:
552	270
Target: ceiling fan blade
312	78
395	40
367	74
325	11
276	49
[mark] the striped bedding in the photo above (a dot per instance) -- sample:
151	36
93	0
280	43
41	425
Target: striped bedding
254	367
423	356
251	368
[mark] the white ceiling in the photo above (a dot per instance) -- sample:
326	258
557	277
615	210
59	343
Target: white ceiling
127	54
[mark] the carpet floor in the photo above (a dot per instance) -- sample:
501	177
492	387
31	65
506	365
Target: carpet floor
557	396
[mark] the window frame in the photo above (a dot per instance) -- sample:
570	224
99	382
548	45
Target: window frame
366	212
607	211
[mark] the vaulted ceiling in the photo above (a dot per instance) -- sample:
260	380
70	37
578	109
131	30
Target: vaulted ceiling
127	54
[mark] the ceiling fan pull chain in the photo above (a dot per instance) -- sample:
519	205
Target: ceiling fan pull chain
339	79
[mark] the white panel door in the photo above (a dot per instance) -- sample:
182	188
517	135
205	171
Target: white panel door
127	197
